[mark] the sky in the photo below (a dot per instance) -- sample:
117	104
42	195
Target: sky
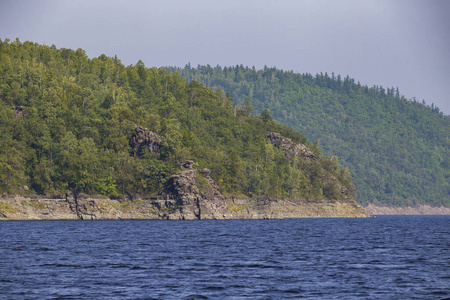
401	43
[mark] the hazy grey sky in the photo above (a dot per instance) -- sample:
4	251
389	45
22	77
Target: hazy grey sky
399	43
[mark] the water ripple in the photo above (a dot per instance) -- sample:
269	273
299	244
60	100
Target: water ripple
386	257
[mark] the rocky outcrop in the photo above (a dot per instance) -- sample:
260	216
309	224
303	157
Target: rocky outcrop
182	188
18	111
144	139
289	147
198	197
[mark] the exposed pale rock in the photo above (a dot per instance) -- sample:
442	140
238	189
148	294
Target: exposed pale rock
407	210
187	164
290	148
158	209
18	111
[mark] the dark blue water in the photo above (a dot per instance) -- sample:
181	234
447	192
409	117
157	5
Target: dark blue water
393	257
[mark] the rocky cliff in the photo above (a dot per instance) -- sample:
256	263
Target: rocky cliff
144	139
189	195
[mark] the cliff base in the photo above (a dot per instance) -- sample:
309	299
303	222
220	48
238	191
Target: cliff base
86	208
419	210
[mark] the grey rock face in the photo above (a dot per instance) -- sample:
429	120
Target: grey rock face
290	148
144	138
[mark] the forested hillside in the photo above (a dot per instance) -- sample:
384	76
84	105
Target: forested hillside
70	123
398	150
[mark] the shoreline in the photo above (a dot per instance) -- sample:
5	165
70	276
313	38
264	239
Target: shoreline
407	210
214	208
94	208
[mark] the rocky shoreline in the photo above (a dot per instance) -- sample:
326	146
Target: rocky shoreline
87	208
91	208
192	194
419	210
189	195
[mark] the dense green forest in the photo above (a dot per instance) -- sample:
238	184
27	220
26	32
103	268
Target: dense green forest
398	150
67	122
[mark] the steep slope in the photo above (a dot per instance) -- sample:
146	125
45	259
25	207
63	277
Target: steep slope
70	124
398	150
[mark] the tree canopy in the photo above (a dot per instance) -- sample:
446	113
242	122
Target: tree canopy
67	122
398	150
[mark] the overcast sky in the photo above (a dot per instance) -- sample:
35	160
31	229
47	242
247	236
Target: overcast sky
393	43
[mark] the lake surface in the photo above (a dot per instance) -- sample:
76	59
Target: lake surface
389	257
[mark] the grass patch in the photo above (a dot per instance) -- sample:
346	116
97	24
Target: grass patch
202	184
7	209
234	208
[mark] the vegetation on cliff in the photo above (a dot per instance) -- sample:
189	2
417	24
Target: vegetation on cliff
398	150
70	123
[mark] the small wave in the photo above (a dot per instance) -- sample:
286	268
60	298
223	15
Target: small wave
293	291
137	268
214	288
64	265
440	293
45	249
119	266
195	296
